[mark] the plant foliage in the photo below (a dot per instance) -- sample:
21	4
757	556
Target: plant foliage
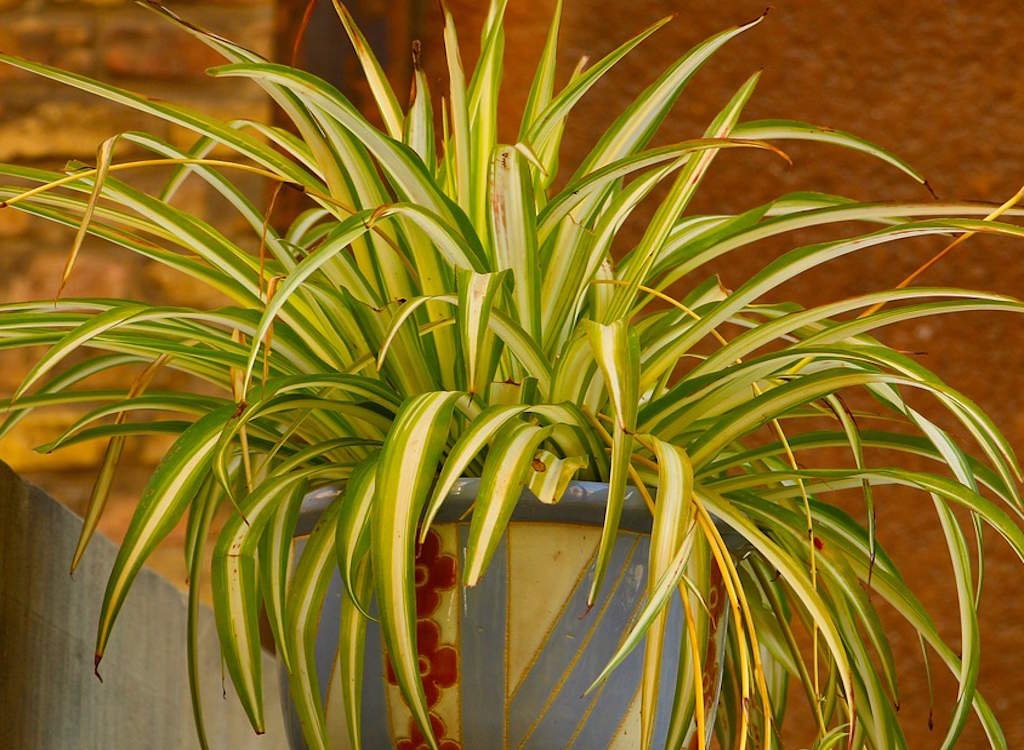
450	305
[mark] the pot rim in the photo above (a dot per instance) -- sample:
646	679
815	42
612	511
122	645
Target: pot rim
583	504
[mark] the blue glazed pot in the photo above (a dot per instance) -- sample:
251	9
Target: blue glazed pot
505	664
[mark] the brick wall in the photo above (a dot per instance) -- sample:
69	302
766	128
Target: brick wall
45	124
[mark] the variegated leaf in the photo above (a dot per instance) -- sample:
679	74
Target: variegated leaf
617	351
501	484
477	296
405	470
167	496
673	515
550	475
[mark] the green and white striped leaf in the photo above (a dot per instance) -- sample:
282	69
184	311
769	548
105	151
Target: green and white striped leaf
477	296
170	490
477	435
514	233
483	107
236	589
663	589
460	144
636	125
501	484
550	475
553	115
199	522
77	338
352	648
776	130
970	639
383	95
419	122
274	558
305	599
353	533
673	514
56	388
181	116
406	468
617	350
679	197
543	85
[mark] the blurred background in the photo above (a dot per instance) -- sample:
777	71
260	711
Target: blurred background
938	81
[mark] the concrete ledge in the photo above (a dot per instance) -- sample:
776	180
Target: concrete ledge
49	698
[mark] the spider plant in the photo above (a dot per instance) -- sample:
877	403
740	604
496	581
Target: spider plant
450	306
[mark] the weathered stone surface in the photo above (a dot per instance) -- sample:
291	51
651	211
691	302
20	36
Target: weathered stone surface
50	697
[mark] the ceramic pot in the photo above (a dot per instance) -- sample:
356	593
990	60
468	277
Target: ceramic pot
505	664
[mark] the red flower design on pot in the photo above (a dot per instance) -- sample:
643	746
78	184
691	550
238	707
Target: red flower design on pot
439	665
416	740
435	572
